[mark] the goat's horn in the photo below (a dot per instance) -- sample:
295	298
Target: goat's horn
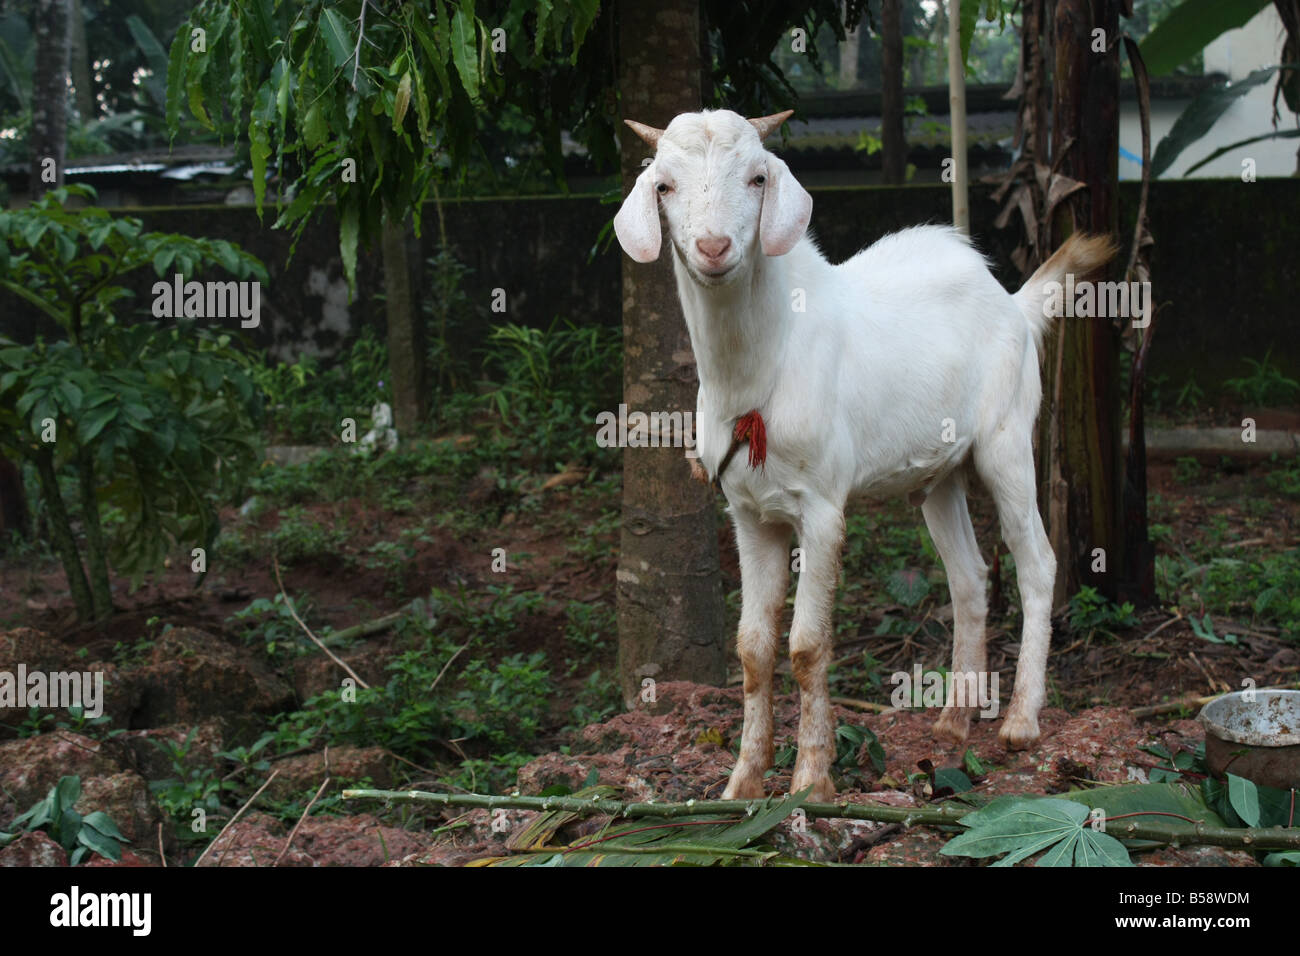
767	125
647	133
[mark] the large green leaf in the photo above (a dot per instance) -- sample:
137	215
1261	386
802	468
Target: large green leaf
1189	27
1201	114
1021	827
908	587
1244	797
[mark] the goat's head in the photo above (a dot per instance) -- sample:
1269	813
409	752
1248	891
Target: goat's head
723	195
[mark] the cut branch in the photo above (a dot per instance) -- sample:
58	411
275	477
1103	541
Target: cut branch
1258	838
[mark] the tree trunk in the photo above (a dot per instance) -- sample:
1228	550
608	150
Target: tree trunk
849	58
79	62
61	536
1085	512
49	94
96	550
957	116
13	502
406	364
893	150
50	25
670	609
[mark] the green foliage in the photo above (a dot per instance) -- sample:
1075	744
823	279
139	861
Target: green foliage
1021	827
1187	470
270	622
551	383
76	722
325	86
1200	115
395	559
78	834
451	682
908	587
1268	588
192	788
1284	477
1090	612
1189	28
1204	629
301	538
1265	385
309	404
590	630
157	423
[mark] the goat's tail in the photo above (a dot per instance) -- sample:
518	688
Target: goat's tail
1079	256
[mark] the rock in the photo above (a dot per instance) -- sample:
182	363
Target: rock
128	859
33	849
347	765
193	675
256	839
317	675
156	764
125	797
31	766
36	651
354	841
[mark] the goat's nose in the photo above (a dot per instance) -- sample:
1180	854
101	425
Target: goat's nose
713	248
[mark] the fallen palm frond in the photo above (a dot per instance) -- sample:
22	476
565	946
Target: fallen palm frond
1081	829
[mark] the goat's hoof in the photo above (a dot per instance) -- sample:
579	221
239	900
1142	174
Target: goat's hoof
744	785
823	791
953	725
1018	732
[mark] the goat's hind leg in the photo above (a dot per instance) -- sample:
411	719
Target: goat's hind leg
1007	469
950	527
764	576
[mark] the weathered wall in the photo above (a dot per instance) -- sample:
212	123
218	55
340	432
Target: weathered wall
1226	267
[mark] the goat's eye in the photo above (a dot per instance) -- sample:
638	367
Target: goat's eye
663	188
758	180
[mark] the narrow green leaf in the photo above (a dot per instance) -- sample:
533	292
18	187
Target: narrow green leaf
1199	116
259	139
348	227
464	49
176	68
337	33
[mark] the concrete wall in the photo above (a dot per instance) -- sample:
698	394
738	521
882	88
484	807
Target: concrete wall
1225	266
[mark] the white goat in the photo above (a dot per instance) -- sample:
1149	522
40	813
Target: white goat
880	376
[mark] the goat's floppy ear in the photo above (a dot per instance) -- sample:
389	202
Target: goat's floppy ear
787	208
637	221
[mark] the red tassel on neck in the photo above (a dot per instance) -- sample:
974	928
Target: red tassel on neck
750	427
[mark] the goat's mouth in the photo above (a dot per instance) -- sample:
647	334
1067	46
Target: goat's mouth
712	273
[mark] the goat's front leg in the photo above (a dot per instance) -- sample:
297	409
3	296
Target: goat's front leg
821	537
764	575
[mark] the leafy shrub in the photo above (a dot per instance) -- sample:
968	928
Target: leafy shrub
79	835
157	423
1091	611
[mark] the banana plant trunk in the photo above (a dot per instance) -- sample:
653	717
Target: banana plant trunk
1086	471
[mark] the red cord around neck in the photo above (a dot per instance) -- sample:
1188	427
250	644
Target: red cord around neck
750	428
